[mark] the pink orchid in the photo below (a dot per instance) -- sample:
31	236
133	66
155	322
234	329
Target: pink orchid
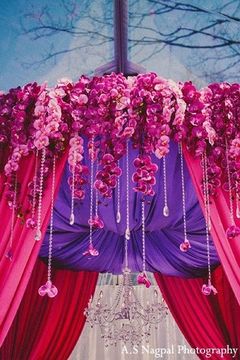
142	279
48	289
31	223
232	232
184	246
207	289
91	251
83	99
96	222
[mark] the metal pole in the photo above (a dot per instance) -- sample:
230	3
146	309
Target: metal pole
121	35
120	62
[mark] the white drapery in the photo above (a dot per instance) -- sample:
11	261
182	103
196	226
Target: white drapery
166	343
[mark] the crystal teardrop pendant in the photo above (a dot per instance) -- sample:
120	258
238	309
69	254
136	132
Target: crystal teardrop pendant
166	211
209	225
127	234
71	221
118	218
38	235
238	213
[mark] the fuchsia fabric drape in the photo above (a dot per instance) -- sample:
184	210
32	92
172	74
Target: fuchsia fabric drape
47	328
14	275
206	322
228	251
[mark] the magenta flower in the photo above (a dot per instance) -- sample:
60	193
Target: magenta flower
91	251
48	289
83	99
143	279
31	223
184	246
232	232
207	289
96	222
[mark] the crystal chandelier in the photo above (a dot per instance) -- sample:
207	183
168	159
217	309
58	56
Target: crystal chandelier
126	319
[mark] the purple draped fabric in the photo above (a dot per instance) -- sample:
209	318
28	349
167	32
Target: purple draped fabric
163	234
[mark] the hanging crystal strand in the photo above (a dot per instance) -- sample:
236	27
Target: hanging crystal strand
229	185
48	288
165	208
91	250
39	212
96	197
31	222
185	245
142	278
143	236
237	202
71	220
208	288
51	222
35	186
118	217
9	254
207	192
91	195
127	231
126	253
232	230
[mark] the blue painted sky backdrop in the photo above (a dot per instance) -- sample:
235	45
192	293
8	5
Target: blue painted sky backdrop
21	54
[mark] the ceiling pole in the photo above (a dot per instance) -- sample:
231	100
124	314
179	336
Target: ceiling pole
120	62
121	35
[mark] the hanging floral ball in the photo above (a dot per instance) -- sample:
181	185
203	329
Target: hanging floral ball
208	289
143	279
184	246
48	289
232	232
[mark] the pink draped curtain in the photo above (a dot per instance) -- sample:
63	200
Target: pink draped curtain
206	321
228	250
15	274
47	328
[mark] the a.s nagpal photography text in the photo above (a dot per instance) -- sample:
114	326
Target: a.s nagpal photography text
162	352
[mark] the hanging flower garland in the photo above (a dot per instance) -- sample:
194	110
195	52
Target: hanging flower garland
112	110
154	104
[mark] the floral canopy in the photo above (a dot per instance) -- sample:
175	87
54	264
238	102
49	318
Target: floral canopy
141	161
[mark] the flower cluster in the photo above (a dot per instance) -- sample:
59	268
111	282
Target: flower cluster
107	177
79	170
150	111
16	114
144	177
193	131
208	289
109	112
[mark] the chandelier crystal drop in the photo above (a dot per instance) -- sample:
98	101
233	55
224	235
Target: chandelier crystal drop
126	319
